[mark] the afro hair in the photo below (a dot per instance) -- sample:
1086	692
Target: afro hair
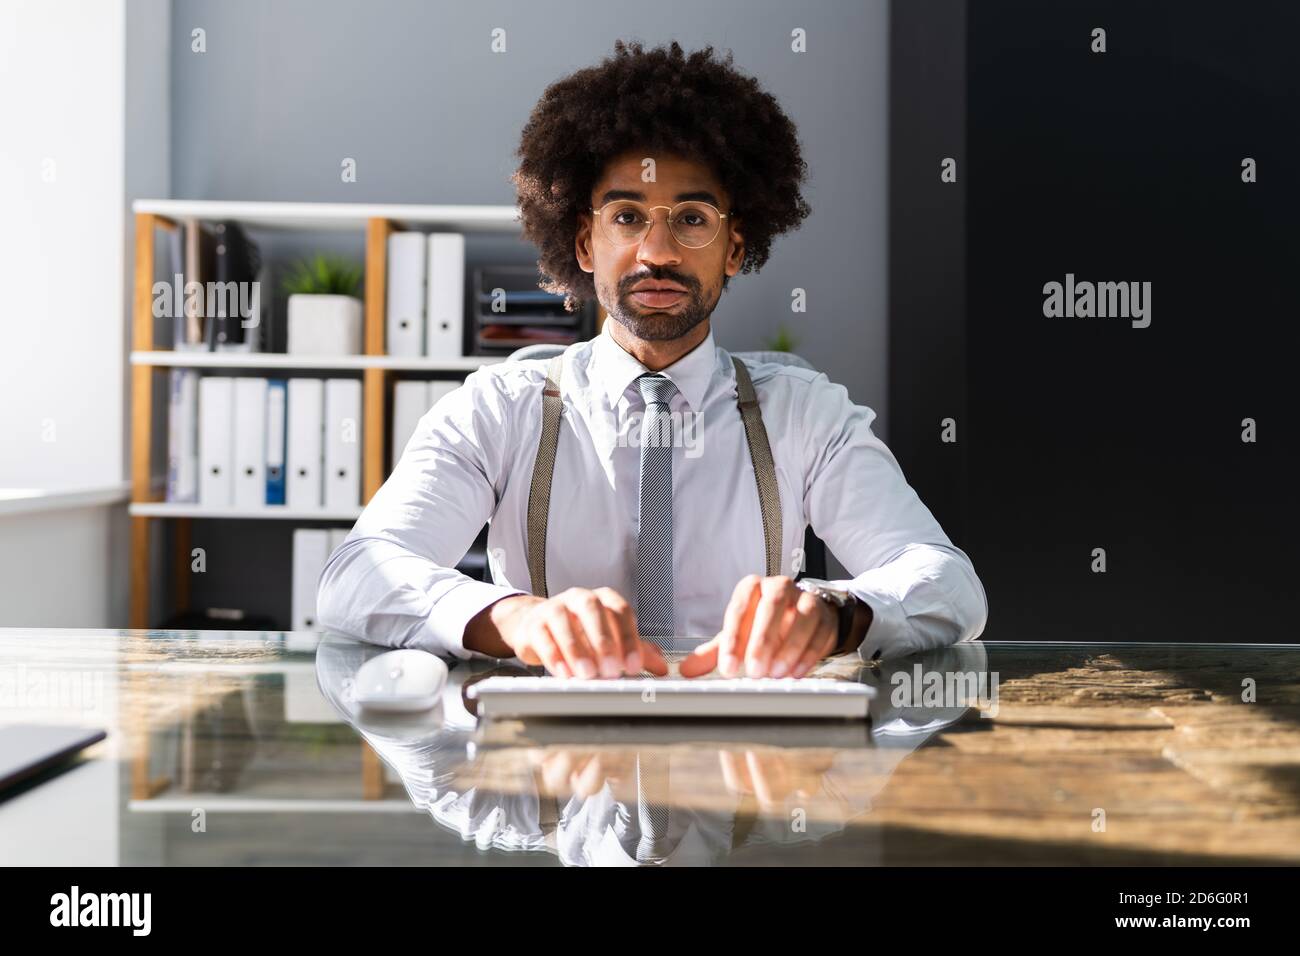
660	100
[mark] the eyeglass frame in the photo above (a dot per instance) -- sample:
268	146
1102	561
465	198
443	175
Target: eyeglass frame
667	221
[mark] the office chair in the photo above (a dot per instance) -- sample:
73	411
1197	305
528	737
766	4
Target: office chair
814	549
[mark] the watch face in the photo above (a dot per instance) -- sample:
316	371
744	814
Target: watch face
824	590
839	597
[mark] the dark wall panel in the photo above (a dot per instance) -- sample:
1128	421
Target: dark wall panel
1085	433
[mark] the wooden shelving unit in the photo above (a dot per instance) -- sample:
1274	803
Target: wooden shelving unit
167	509
376	222
279	360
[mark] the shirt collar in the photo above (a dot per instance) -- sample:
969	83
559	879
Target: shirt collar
614	369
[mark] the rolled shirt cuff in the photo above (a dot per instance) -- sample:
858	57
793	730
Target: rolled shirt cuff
887	636
456	608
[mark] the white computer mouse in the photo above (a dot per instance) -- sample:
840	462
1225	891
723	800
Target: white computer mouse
407	679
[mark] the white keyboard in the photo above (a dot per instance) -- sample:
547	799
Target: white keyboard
670	697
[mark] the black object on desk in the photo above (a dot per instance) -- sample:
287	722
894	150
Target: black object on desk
29	749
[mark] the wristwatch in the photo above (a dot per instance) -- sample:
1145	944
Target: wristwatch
843	601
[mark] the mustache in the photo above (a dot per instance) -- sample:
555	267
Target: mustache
659	275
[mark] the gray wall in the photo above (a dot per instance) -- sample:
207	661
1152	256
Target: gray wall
410	90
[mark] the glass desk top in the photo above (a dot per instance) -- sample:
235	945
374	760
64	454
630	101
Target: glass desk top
236	748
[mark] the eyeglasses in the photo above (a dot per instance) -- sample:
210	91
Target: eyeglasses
693	224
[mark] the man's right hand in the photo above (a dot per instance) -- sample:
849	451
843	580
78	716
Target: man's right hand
577	633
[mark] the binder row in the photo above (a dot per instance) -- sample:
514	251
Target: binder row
258	442
426	295
220	253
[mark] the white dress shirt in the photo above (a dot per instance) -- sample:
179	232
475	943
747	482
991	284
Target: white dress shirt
393	581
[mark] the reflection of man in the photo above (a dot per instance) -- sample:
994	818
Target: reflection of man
606	802
647	182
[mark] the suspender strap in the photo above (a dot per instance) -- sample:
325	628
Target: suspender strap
769	496
539	495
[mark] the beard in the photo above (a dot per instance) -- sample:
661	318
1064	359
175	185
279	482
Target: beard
656	325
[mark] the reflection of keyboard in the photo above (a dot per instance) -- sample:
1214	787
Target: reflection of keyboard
671	697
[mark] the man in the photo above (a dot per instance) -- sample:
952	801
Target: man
668	508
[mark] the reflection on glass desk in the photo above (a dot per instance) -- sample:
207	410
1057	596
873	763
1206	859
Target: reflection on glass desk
228	748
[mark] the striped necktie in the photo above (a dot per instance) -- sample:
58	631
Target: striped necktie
654	540
652	806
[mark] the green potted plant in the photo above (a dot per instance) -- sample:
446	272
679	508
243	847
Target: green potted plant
324	307
783	341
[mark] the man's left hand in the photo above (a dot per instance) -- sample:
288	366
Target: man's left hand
771	629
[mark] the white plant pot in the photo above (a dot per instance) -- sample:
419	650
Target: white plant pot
324	325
